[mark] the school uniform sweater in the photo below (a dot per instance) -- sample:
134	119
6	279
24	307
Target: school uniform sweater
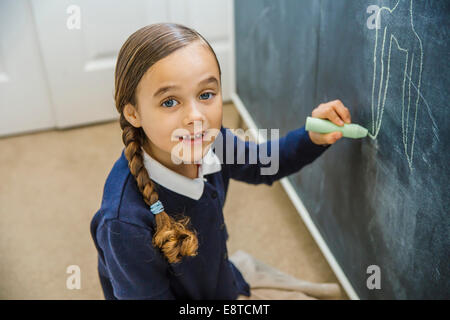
130	267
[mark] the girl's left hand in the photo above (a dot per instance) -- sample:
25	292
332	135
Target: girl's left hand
337	113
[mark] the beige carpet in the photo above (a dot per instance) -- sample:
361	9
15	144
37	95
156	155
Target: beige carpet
52	183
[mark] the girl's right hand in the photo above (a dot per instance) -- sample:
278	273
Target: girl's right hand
337	113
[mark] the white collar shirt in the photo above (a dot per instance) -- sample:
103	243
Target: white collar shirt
192	188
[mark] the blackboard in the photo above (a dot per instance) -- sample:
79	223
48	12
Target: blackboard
382	202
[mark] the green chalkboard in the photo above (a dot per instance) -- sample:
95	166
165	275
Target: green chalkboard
382	202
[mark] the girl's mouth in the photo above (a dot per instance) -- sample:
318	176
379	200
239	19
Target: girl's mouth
193	139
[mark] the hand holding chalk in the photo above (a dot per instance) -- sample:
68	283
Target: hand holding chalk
324	126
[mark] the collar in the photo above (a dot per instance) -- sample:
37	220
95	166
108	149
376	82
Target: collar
192	188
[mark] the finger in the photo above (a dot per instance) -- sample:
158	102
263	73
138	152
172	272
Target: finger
342	111
332	115
326	111
332	137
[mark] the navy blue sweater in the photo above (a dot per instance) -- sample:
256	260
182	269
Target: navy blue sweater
130	267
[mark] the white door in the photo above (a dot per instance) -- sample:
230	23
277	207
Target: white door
211	18
80	62
25	104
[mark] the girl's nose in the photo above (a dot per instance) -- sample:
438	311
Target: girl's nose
194	113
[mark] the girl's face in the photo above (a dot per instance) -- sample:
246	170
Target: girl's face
179	95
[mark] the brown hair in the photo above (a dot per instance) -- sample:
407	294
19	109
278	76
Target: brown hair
140	51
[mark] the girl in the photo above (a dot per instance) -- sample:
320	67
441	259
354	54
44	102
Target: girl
160	231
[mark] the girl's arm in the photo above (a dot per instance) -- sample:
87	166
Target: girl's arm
284	156
293	152
136	269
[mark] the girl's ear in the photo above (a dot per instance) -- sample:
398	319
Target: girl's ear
130	113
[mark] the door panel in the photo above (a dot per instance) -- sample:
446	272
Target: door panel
25	104
80	62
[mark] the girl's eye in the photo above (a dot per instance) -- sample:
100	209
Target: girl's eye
170	105
212	94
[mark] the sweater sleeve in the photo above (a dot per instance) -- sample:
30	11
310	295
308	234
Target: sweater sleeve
275	159
136	269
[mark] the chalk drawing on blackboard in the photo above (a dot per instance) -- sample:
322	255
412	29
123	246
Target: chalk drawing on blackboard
413	63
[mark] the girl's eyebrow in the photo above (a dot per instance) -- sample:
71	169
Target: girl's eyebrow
209	80
162	90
